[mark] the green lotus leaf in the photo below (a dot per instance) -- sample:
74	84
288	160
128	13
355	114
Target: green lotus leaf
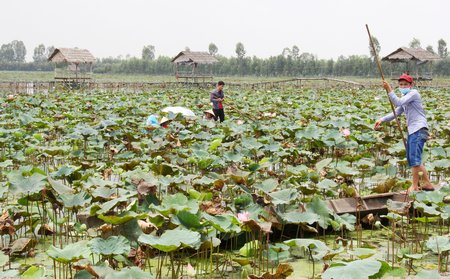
6	163
320	208
122	217
113	245
19	184
34	272
188	220
70	253
224	223
59	187
3	259
284	196
78	200
438	244
429	274
12	273
267	185
171	240
323	163
326	184
176	202
317	247
300	217
345	220
359	269
129	273
250	248
107	206
362	253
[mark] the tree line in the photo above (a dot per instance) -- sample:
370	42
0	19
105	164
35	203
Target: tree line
290	62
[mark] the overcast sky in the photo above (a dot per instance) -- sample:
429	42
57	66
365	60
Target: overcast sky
326	28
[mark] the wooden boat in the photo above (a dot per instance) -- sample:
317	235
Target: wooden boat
376	203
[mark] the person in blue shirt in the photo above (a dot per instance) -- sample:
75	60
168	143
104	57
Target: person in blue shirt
411	105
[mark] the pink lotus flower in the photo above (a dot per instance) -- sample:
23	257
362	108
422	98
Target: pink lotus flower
190	271
243	217
346	132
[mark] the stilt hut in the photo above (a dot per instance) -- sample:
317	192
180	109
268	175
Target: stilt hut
72	64
418	62
194	66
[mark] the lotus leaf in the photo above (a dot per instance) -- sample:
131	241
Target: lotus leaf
172	240
19	184
59	187
188	220
122	217
12	273
362	253
267	185
323	163
75	200
70	253
438	244
250	248
326	184
3	259
359	269
428	274
320	208
34	272
113	245
346	220
129	273
317	247
284	196
300	217
225	223
177	202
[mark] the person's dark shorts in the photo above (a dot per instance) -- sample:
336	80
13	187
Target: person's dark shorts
414	147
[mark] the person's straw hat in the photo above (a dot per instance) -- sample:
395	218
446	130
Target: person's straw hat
210	112
163	120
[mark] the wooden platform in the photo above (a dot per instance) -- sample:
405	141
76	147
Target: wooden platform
369	204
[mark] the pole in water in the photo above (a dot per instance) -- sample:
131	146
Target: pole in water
382	77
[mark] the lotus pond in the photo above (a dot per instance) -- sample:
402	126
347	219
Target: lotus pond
87	191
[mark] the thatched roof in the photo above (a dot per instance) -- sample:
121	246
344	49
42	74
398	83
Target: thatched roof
71	55
404	54
199	57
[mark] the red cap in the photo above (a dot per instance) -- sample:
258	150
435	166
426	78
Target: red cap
406	77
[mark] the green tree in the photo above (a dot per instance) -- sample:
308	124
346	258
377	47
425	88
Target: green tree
376	45
39	54
20	51
415	43
430	49
295	51
212	48
286	52
442	48
7	53
240	50
148	52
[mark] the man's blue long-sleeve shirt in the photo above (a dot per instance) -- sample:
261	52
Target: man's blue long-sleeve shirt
411	105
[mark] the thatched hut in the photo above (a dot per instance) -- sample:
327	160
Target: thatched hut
72	63
415	60
187	65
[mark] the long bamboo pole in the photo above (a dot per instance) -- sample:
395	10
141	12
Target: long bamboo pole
382	77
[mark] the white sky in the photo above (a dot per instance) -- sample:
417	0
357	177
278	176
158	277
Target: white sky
326	28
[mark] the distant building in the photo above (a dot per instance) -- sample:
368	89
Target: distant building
194	65
72	64
416	61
